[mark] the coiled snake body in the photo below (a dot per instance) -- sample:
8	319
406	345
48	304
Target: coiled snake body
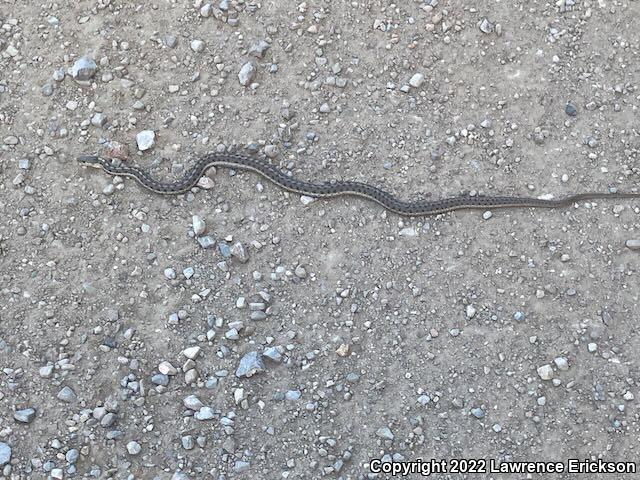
331	189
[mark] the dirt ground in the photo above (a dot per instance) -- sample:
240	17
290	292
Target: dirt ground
272	336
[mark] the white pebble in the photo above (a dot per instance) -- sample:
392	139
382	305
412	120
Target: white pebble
545	372
145	140
416	80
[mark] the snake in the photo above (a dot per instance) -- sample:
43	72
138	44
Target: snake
238	161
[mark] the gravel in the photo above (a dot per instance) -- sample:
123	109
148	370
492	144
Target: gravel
181	335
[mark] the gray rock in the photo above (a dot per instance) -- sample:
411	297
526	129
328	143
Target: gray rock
205	10
570	110
58	74
246	74
562	363
46	371
224	249
192	403
417	80
385	433
206	241
199	226
197	46
169	40
84	69
271	151
26	415
133	448
169	273
160	379
477	412
67	395
188	272
273	354
545	372
486	26
241	466
238	251
205	413
72	455
293	395
258	49
633	244
187	442
98	119
5	453
145	140
250	364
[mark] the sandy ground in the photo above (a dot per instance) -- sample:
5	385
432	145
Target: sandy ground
128	328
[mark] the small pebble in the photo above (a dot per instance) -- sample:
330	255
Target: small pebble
258	49
133	448
570	110
486	26
169	40
545	372
5	453
188	272
197	46
416	80
250	364
477	412
206	242
246	74
145	140
84	69
26	415
562	363
198	224
385	433
633	244
191	352
66	394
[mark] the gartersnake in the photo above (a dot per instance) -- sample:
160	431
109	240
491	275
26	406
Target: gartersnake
330	189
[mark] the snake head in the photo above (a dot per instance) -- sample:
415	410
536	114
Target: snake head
90	161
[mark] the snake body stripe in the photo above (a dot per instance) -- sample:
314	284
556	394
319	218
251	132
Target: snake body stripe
331	189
